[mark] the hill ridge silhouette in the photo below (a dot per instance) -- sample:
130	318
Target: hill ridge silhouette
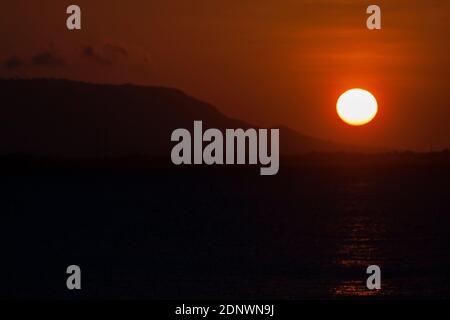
65	118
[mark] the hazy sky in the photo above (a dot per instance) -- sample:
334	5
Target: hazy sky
268	62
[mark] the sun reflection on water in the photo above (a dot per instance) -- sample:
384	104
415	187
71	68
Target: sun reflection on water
361	235
354	289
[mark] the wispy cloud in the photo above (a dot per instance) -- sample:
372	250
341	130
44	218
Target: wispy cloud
115	49
91	54
106	55
13	63
47	59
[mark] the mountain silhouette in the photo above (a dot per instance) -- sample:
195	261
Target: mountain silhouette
62	118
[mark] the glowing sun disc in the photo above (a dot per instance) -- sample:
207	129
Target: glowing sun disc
357	107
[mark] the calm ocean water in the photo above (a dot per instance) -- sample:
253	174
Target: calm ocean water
309	232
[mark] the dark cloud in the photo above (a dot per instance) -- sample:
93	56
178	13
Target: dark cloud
106	55
43	59
13	63
90	53
47	59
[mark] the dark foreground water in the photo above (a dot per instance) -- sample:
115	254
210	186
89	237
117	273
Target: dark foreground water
309	232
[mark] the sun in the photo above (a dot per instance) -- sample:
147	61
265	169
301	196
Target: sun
357	107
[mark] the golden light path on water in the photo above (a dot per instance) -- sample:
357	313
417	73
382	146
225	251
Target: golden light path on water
359	235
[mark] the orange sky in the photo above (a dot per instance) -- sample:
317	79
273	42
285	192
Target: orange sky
268	62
